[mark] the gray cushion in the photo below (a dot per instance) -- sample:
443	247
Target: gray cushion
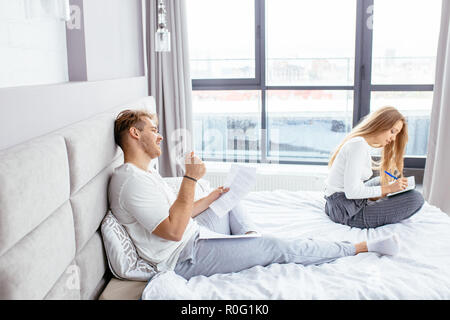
31	268
30	191
90	148
68	285
92	263
90	206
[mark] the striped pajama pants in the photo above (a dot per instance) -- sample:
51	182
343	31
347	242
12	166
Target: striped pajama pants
363	213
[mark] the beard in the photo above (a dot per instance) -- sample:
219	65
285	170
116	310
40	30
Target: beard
150	147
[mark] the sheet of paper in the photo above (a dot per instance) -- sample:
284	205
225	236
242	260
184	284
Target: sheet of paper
240	180
208	234
411	185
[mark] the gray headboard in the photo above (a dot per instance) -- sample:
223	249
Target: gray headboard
53	197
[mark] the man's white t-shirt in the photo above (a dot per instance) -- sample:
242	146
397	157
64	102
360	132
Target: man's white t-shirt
351	167
140	200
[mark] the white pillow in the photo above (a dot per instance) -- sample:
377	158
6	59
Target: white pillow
123	259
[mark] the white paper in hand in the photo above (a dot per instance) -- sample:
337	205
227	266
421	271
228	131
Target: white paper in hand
240	180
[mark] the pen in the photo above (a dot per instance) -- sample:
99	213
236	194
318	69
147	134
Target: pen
391	175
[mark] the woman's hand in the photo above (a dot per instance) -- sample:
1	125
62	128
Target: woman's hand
216	193
399	185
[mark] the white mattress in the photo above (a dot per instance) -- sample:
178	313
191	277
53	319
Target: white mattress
420	271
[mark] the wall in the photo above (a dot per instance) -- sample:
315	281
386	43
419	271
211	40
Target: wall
114	47
30	111
32	51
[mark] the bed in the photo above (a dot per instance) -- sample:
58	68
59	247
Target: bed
419	271
53	199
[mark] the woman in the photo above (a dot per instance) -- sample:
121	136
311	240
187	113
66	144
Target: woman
356	202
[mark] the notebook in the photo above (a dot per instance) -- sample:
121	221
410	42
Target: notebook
411	186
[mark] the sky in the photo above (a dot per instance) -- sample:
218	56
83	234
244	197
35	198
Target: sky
306	28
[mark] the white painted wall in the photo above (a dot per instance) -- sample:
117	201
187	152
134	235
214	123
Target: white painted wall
32	51
114	46
34	110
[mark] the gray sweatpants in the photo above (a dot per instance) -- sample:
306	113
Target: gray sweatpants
212	256
363	213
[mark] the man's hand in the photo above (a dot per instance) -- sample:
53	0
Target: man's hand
214	195
173	227
195	168
203	203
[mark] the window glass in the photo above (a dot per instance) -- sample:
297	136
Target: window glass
307	125
221	38
310	42
227	124
416	107
405	38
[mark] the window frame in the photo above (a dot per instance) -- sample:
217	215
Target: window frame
362	86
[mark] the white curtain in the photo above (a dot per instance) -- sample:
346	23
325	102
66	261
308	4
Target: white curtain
436	184
170	83
38	9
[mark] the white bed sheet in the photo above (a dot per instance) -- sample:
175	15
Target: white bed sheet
420	271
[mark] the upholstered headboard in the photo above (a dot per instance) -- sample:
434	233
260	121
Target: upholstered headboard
53	197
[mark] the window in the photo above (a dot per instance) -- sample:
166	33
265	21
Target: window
405	37
221	38
227	124
300	51
298	118
285	80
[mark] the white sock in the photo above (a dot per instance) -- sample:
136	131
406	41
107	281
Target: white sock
389	245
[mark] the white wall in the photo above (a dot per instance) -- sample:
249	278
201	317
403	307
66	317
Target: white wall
32	51
114	46
30	111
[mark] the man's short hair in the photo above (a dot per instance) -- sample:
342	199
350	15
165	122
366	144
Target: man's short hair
130	118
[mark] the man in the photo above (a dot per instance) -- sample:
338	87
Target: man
165	227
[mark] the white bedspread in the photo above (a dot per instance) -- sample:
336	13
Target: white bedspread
420	271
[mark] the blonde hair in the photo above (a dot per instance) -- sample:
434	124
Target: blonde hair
127	119
392	154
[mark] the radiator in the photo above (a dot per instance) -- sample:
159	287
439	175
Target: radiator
274	181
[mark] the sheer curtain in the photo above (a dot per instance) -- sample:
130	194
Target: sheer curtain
436	184
170	83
